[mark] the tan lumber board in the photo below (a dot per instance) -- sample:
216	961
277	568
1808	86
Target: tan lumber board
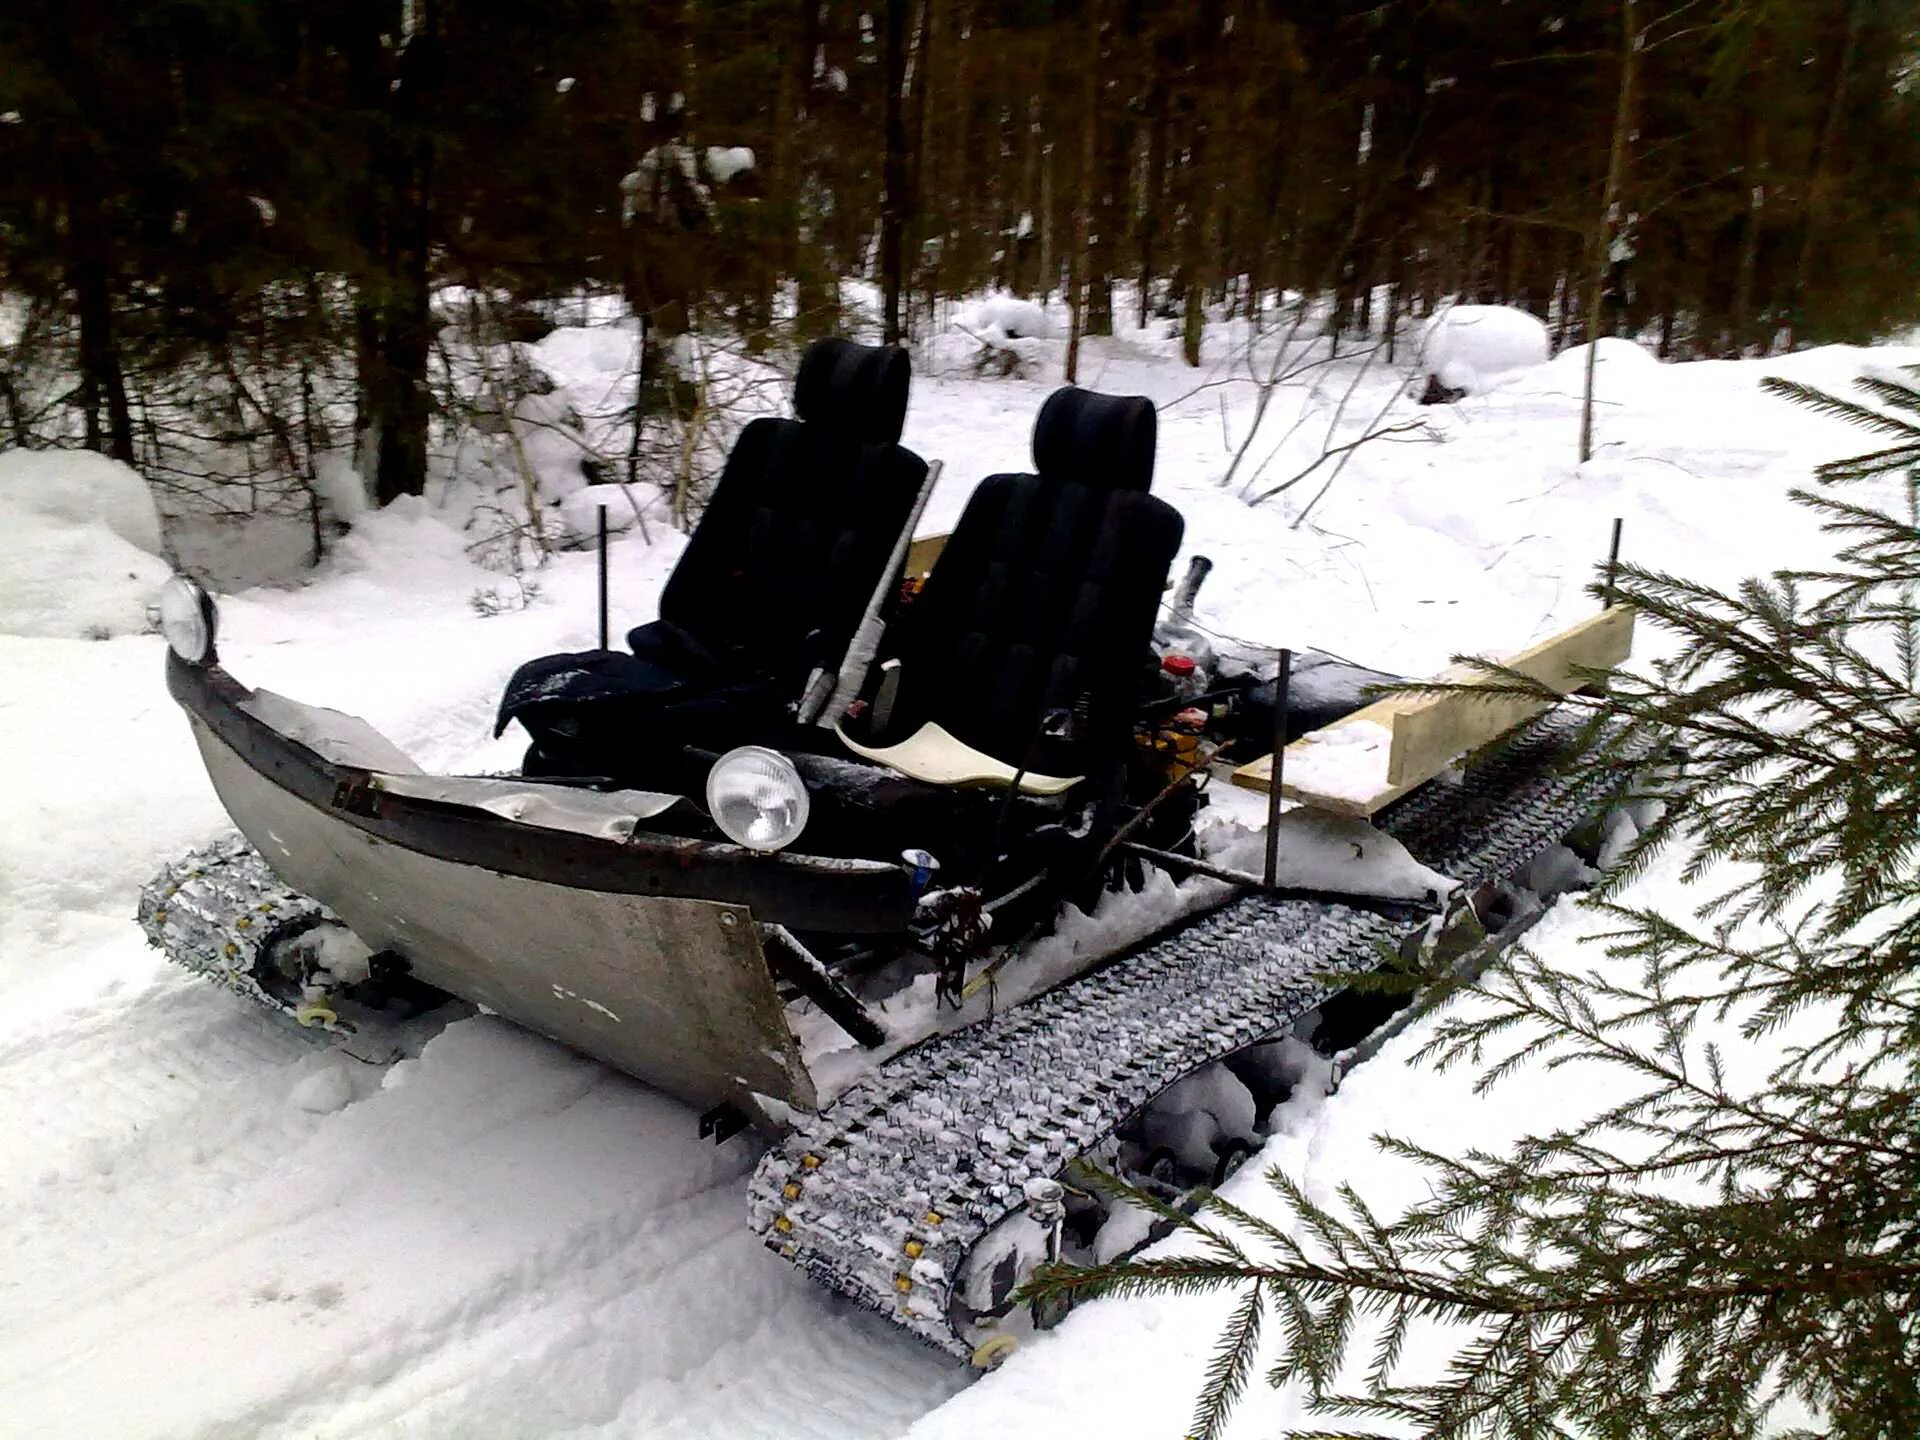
1430	732
924	550
1258	774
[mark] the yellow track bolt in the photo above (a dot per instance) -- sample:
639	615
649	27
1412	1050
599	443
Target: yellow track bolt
914	1249
994	1349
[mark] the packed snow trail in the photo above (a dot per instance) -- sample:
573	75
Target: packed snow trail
217	1226
443	1242
212	1227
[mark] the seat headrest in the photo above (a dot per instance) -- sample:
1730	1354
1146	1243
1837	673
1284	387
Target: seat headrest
1101	440
858	390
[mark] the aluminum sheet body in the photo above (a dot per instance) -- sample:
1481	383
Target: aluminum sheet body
675	991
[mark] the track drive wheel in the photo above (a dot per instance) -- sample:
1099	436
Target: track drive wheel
1233	1154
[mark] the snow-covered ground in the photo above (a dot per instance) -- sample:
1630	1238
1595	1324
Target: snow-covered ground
210	1227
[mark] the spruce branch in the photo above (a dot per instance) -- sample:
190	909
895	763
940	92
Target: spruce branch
1862	415
1710	1243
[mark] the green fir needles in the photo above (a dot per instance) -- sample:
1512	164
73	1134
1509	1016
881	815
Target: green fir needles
1732	1245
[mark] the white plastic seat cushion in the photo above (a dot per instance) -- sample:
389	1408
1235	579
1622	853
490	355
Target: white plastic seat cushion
934	756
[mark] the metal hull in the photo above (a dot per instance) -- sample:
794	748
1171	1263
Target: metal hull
672	990
558	908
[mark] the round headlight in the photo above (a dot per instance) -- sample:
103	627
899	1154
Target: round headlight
187	619
756	798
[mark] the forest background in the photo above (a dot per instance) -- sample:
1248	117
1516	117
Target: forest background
232	225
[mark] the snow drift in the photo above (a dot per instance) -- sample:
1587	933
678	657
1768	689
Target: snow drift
1475	347
1622	369
80	552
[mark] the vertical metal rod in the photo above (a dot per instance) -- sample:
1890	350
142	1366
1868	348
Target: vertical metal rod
603	579
1613	558
1281	681
1029	758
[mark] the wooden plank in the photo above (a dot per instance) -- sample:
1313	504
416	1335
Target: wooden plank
925	549
921	554
1431	732
1258	774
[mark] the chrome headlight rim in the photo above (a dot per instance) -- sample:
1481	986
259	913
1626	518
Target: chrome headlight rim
188	620
776	803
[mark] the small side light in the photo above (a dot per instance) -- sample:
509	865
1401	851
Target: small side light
188	620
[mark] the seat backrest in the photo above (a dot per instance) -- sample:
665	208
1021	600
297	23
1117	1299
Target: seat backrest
1045	595
804	520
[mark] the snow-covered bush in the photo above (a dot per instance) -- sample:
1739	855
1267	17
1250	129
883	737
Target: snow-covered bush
998	335
546	429
1621	368
680	167
1009	318
80	551
628	506
1474	347
726	161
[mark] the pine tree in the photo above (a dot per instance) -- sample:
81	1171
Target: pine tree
283	186
1693	1256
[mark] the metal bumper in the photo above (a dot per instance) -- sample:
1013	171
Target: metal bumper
637	948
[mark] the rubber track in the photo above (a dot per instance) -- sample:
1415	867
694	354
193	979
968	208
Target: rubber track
882	1196
218	910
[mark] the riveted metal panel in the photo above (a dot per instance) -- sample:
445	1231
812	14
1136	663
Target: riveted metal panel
674	991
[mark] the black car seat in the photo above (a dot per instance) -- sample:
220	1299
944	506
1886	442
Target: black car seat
1029	647
799	537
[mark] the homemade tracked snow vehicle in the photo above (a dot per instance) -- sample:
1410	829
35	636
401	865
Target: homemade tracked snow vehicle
881	857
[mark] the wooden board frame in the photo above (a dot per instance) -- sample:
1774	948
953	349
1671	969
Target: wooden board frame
922	552
1430	732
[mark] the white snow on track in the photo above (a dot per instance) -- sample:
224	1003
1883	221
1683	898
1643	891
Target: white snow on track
210	1226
